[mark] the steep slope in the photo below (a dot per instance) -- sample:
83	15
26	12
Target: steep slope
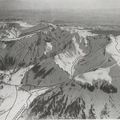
80	58
44	74
74	100
30	50
11	30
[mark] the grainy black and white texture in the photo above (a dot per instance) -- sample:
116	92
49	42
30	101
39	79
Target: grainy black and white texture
59	59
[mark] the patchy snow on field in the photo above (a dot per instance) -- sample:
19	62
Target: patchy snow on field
24	24
100	74
8	94
15	100
80	30
14	78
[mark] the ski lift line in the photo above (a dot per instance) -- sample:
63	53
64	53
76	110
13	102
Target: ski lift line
74	63
45	86
50	86
34	32
22	37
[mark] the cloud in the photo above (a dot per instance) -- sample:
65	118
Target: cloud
62	4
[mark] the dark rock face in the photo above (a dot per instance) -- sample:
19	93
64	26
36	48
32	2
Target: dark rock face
92	113
108	88
59	103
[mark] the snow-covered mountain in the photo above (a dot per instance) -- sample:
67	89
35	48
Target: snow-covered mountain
13	29
78	69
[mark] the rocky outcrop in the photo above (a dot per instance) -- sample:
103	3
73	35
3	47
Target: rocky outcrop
73	100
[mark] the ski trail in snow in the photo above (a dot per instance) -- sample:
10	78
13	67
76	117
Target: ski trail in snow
9	94
22	103
9	91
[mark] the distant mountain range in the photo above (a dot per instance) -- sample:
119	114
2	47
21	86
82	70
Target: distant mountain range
83	17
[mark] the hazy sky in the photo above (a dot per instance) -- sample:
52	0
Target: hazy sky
60	4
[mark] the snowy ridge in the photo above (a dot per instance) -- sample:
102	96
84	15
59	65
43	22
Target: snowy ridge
24	24
100	74
114	48
66	60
